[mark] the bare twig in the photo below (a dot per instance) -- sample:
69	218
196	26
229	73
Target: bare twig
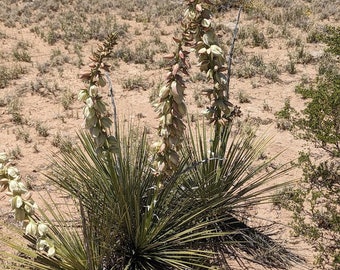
113	103
231	52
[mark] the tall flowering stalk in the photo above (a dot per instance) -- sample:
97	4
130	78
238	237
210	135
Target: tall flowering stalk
96	120
212	61
198	34
96	117
23	205
171	106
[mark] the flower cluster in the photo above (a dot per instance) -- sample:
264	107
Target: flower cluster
171	106
212	61
96	117
171	109
23	205
198	33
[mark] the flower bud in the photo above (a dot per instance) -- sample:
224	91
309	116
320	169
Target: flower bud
89	112
83	95
93	91
100	107
42	229
89	102
12	172
3	157
31	228
106	122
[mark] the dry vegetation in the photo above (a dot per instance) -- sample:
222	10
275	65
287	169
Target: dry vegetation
45	45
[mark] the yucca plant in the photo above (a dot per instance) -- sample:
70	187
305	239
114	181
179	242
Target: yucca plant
134	222
130	218
132	215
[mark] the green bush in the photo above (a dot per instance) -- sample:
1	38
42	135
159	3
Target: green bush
315	206
321	121
332	39
315	201
286	116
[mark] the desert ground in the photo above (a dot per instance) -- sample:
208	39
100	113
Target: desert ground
46	45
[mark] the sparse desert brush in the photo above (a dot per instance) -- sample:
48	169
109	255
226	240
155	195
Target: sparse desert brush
272	72
14	108
21	55
135	83
15	153
326	9
58	58
64	143
42	129
23	134
67	98
286	116
314	202
8	74
243	97
177	204
290	67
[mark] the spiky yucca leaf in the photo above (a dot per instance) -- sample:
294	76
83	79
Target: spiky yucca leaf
229	174
230	170
66	236
134	221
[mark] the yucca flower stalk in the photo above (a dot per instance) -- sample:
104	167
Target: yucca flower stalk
23	206
96	116
198	33
171	105
212	61
98	123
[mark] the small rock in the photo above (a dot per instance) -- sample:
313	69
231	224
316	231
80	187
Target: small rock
317	54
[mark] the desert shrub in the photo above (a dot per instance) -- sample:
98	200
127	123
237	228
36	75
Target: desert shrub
258	38
243	97
320	123
290	66
23	134
67	98
314	202
14	108
302	56
332	39
251	67
21	55
272	72
8	74
246	71
314	35
327	65
135	82
41	129
58	58
286	116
